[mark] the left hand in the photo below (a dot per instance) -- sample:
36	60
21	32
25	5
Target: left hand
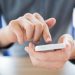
52	59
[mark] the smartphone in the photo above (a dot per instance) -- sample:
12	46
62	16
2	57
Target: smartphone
50	47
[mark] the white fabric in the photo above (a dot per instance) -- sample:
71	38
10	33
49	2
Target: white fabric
74	17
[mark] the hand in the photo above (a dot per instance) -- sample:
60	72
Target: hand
52	59
29	27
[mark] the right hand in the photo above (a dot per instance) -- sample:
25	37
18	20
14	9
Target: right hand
29	27
52	59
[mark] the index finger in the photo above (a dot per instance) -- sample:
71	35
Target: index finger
46	33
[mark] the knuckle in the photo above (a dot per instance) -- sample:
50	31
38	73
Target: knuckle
37	14
12	23
28	14
20	18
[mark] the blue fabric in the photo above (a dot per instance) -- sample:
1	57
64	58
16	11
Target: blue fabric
0	22
6	53
73	32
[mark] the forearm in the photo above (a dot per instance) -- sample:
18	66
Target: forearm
5	36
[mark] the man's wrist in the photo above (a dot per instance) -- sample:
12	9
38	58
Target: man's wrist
5	37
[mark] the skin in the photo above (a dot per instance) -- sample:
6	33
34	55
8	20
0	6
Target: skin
25	28
33	27
53	59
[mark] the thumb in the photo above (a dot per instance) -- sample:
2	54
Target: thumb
67	40
50	22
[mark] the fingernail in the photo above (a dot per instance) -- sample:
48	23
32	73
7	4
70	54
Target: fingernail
48	39
53	20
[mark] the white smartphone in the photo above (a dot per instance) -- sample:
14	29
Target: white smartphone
50	47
